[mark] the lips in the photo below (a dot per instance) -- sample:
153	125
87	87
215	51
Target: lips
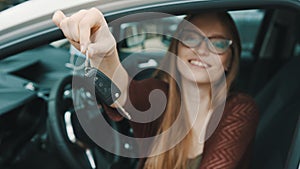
199	63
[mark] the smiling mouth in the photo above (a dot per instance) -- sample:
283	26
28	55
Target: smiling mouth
199	63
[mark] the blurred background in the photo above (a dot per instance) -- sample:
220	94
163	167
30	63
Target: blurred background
4	4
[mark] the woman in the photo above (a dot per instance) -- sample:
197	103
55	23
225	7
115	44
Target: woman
218	125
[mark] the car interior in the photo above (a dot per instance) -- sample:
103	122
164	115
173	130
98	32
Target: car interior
33	122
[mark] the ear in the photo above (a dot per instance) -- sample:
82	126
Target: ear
227	66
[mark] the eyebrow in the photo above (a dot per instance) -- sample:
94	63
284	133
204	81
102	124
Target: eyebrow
213	36
218	36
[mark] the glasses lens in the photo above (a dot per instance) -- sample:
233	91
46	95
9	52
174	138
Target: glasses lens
219	45
190	38
193	39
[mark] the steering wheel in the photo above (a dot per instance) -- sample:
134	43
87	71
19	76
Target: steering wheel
68	137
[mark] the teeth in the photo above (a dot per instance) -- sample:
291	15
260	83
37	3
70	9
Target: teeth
199	63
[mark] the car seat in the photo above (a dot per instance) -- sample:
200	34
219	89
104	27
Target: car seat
279	107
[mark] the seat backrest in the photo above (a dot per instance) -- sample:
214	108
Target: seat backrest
279	106
262	72
141	65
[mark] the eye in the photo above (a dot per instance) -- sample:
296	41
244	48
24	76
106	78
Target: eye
190	39
220	45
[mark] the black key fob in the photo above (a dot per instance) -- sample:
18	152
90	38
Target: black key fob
105	90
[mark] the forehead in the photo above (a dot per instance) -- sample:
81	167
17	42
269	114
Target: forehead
210	25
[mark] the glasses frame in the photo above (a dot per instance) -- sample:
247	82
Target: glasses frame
207	40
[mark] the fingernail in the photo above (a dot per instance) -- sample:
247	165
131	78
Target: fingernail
82	49
91	52
87	54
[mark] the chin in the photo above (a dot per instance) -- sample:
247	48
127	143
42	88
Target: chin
202	77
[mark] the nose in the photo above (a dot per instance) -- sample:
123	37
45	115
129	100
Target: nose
202	49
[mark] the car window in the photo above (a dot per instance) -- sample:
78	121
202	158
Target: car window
152	34
297	50
138	37
4	4
248	23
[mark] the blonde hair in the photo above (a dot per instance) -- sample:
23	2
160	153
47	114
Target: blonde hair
177	157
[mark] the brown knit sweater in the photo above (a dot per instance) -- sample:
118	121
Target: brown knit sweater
229	147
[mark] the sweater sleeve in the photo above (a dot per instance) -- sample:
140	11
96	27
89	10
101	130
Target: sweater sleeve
230	144
139	102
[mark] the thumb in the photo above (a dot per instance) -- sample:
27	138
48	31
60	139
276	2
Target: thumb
90	53
57	17
100	50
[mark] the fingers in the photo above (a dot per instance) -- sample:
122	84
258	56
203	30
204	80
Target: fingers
89	24
107	43
66	25
73	25
58	16
80	26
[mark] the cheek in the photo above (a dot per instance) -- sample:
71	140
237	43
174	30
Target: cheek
226	59
182	51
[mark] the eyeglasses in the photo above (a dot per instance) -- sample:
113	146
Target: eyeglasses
193	39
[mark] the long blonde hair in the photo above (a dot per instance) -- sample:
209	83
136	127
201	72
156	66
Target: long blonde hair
177	157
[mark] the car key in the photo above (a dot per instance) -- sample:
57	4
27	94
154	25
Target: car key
105	89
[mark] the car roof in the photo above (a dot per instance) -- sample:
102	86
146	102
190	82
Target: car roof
39	9
30	12
14	34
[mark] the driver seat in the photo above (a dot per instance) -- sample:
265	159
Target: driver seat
279	106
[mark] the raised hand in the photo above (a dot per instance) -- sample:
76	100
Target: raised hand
87	30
